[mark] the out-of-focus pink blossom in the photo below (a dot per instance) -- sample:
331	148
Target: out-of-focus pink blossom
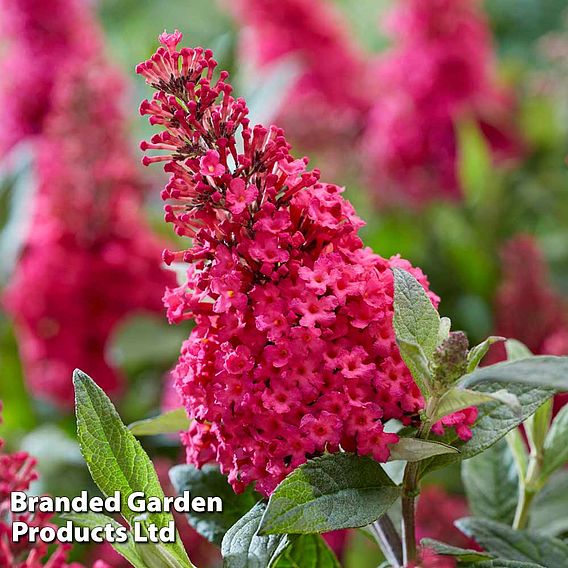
527	307
41	37
436	513
329	99
89	258
440	69
17	472
301	357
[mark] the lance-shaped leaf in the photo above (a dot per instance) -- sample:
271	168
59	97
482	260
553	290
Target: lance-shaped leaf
116	459
548	511
93	520
543	371
335	491
494	421
463	555
516	350
414	449
416	322
243	547
444	330
521	546
169	422
556	444
492	484
307	551
413	355
210	482
457	399
475	356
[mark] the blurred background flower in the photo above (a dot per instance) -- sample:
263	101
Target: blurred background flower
446	121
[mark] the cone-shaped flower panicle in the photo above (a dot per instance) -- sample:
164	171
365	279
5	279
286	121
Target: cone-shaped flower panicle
293	351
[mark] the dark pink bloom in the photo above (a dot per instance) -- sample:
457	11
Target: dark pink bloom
39	45
17	472
329	98
306	359
440	70
527	307
89	259
239	196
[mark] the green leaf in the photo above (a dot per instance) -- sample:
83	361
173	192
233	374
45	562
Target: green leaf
92	520
537	426
168	423
521	546
493	422
502	563
496	419
210	482
544	371
242	547
415	318
335	491
517	350
414	449
492	483
519	451
457	399
115	458
462	554
475	356
548	511
556	444
417	363
308	551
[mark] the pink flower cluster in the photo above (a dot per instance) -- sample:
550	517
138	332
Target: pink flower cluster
89	258
329	99
441	69
39	44
527	307
17	471
293	352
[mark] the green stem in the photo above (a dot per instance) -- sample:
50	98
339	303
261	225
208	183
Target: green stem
410	491
523	507
529	489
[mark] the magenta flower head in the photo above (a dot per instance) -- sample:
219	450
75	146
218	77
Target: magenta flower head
17	472
293	352
88	241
